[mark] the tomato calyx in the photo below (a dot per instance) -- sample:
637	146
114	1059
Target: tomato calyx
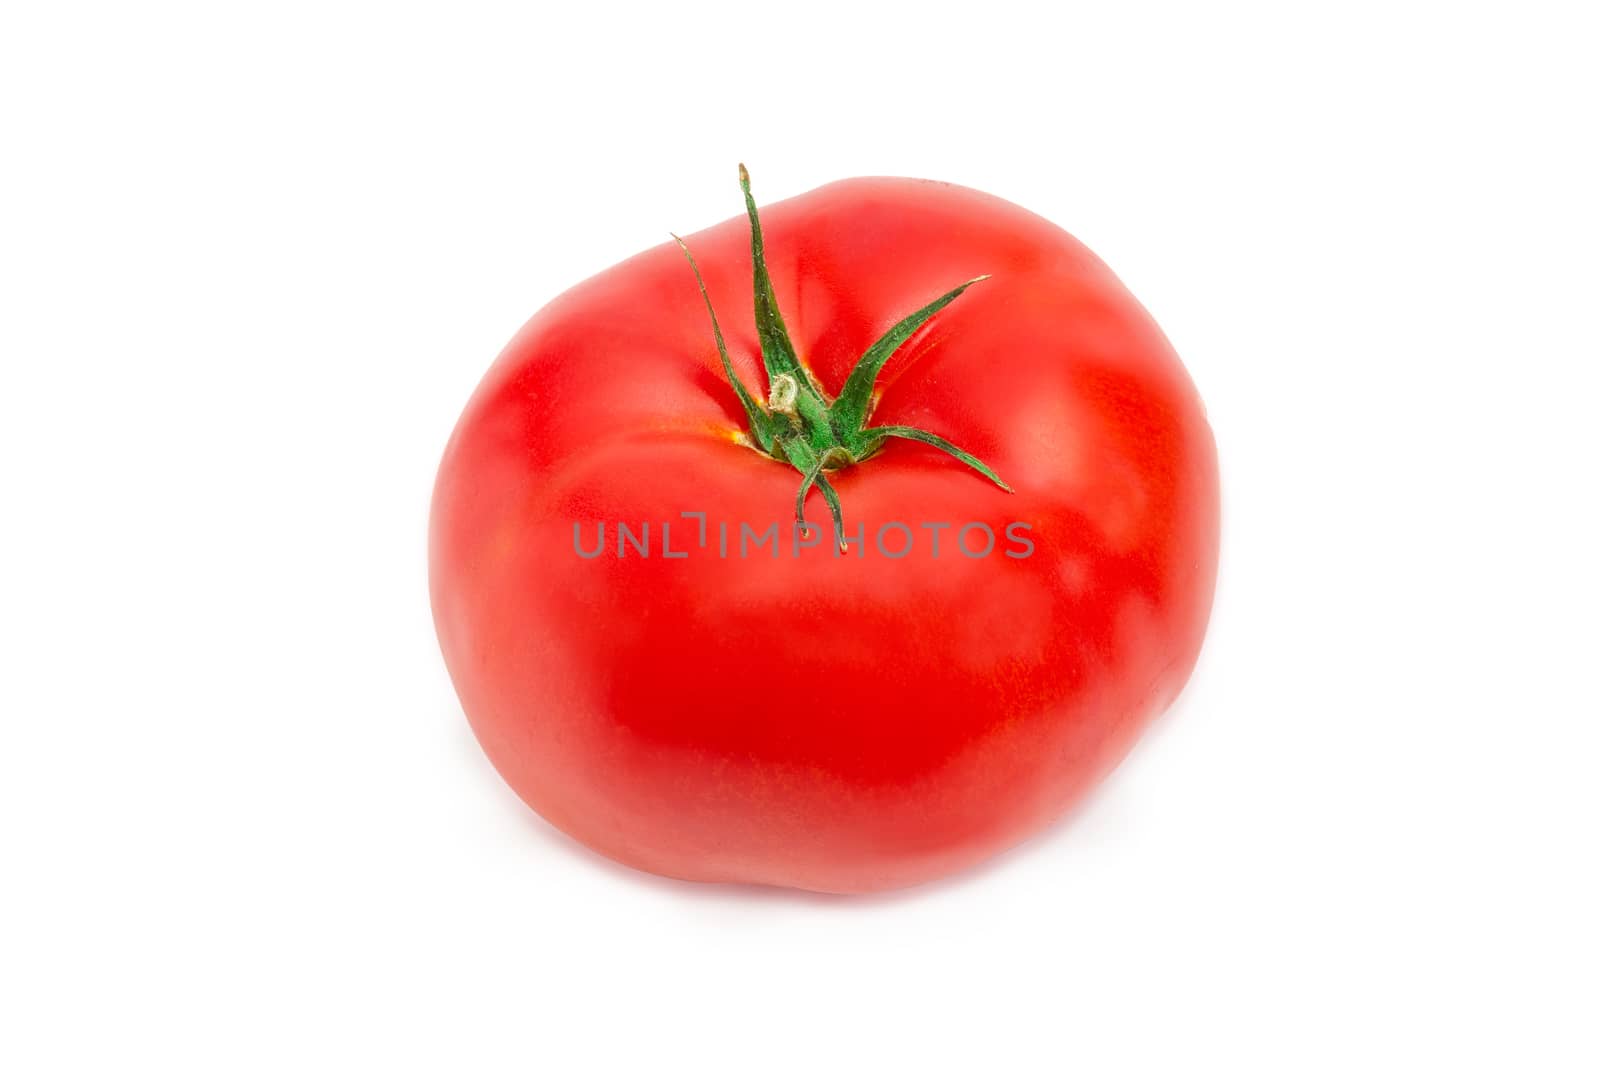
798	423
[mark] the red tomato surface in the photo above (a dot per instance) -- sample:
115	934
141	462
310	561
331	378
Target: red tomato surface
837	723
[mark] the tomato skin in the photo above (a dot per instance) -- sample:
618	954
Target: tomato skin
840	724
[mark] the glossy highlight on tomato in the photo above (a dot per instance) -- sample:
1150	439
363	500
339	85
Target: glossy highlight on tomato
827	717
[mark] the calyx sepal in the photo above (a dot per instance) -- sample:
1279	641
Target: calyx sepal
798	423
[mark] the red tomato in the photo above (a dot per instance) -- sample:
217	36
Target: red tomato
838	722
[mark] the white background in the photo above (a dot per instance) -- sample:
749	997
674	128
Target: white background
254	258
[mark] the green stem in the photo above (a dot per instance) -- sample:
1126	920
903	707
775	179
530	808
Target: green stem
850	408
798	425
760	424
777	351
876	435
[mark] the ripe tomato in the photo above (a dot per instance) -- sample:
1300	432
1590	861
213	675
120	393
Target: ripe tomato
689	700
